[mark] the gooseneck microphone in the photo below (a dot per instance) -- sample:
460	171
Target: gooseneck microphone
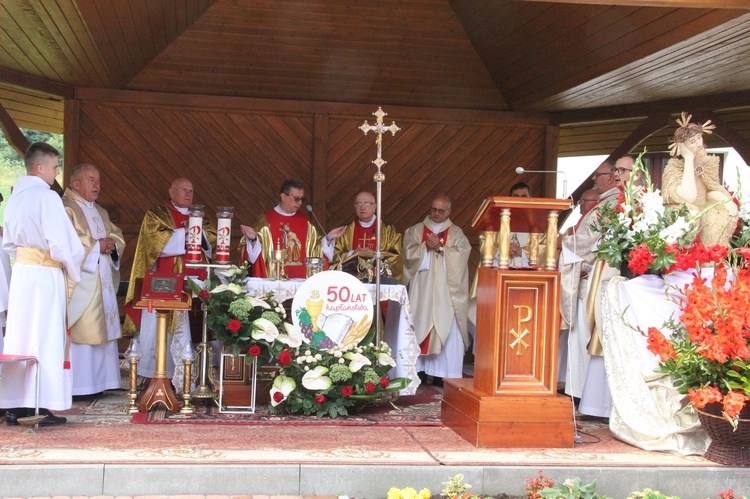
521	170
310	209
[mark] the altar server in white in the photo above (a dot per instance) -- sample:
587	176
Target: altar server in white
4	284
93	311
39	236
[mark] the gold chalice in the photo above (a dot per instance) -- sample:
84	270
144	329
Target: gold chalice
279	257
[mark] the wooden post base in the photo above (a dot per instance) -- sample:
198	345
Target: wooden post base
159	390
503	421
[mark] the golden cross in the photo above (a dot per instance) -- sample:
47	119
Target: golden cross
364	241
379	128
519	340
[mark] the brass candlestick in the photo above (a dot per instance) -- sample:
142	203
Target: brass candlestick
187	407
133	354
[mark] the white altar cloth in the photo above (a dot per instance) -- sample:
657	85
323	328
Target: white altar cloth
398	330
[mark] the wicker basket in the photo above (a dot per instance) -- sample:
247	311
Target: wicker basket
727	446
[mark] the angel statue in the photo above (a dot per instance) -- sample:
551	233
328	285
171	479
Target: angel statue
694	181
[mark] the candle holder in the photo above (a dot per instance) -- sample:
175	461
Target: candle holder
187	360
133	354
223	233
279	260
314	265
194	234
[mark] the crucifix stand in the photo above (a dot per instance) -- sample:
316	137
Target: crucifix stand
159	389
379	128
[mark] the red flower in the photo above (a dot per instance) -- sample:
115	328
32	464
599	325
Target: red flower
320	398
285	357
640	258
347	391
203	295
253	351
659	345
370	387
234	325
384	382
703	396
734	402
278	397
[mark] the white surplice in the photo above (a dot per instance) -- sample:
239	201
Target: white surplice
4	285
96	368
35	218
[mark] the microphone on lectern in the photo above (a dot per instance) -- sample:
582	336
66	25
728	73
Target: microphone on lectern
310	209
521	170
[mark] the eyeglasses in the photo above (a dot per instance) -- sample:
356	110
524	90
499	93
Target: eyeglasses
620	171
438	210
581	201
597	174
297	199
363	203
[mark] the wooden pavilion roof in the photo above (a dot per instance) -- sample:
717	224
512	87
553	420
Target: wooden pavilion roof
605	71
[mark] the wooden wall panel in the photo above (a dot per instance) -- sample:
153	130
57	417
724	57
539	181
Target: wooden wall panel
237	152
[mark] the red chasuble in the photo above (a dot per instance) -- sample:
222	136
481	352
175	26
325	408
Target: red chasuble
443	236
298	225
365	237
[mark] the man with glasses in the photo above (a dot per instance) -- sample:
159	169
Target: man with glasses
623	168
285	227
436	255
577	259
361	234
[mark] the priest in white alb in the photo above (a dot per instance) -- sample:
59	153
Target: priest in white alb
436	255
93	311
39	236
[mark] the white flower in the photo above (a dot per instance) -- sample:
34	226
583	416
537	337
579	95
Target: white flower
745	211
265	330
284	385
642	226
341	361
310	359
230	272
257	302
386	360
293	338
679	228
337	354
358	361
652	202
234	288
318	356
317	379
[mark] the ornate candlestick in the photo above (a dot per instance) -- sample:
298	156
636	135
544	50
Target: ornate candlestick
187	359
379	178
133	354
194	234
223	233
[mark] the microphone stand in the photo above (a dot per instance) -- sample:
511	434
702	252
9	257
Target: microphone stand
379	178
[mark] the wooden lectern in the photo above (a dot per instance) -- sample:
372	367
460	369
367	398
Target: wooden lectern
512	400
159	389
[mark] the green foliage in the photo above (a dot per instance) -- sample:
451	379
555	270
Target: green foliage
572	488
650	494
455	486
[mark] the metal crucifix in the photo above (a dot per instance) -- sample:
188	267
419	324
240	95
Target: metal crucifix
379	128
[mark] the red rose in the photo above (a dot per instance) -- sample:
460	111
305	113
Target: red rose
203	295
285	357
370	387
253	351
234	325
347	391
384	382
320	398
278	397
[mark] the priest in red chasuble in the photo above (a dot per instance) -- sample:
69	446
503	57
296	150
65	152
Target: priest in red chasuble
286	228
161	246
362	234
436	256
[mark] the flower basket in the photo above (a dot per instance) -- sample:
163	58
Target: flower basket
728	446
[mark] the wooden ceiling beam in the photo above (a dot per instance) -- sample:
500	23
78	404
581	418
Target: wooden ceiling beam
672	106
696	4
43	85
726	132
15	136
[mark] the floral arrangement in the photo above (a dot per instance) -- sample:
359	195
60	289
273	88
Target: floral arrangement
708	351
641	231
244	323
408	493
330	381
